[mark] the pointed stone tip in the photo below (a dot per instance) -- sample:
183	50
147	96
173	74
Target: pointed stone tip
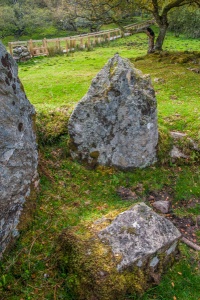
117	56
116	59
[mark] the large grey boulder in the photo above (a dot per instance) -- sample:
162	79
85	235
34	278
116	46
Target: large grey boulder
118	254
139	234
18	148
115	123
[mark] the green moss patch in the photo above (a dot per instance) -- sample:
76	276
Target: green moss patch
91	267
175	57
164	145
51	125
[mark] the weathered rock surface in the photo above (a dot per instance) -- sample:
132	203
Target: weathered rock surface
115	124
176	135
176	153
118	254
184	148
18	148
126	193
162	206
138	233
21	53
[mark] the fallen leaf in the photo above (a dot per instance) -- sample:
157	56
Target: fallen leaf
87	202
87	192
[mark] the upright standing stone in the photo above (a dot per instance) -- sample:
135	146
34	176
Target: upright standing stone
115	124
18	148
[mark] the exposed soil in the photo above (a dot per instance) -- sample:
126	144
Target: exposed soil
166	194
126	193
187	225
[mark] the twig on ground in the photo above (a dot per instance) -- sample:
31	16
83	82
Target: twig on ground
190	244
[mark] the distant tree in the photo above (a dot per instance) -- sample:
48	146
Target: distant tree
63	16
90	13
22	17
185	20
6	26
106	11
40	3
160	10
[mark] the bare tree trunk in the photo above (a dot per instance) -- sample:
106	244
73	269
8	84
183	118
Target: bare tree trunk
151	37
151	44
163	25
161	37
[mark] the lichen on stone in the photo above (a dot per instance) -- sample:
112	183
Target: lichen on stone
18	149
122	122
96	268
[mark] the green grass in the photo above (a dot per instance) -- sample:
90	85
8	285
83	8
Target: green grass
72	194
64	80
181	282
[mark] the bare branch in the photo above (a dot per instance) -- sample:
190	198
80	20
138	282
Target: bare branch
190	244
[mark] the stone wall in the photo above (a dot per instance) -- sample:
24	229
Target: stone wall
21	53
18	148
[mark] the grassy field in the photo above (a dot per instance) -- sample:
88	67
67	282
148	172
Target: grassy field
71	194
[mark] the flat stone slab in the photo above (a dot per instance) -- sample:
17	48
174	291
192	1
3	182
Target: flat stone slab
118	254
115	123
138	233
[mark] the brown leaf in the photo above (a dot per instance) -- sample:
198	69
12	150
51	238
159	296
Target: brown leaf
179	273
87	192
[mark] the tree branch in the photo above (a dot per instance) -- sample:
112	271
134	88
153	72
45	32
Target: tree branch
190	244
176	3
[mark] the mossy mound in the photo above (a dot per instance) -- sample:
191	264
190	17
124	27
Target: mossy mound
51	125
92	267
165	144
173	57
189	149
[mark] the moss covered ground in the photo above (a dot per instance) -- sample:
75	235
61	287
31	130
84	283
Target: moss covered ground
71	194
